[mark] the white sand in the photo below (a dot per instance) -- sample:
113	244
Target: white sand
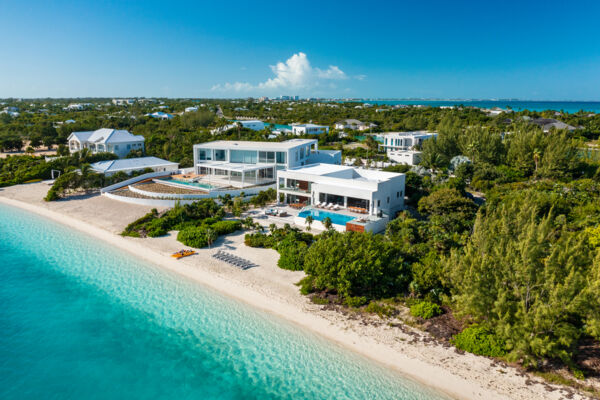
269	288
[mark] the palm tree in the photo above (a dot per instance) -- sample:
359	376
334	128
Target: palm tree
327	223
309	221
536	158
211	236
272	228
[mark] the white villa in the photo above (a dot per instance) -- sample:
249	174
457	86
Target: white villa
309	129
130	165
401	146
123	102
354	124
119	142
160	115
371	196
245	163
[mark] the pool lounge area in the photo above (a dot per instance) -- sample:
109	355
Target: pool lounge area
320	215
342	220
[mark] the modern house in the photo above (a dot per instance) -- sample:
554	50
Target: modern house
245	163
309	129
401	147
119	142
160	115
356	193
354	124
123	102
191	109
130	165
549	123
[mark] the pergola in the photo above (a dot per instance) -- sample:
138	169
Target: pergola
251	174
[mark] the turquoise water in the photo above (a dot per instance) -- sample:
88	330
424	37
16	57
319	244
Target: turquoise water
517	105
320	215
196	184
80	320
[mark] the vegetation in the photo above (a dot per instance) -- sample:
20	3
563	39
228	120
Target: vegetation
478	340
425	309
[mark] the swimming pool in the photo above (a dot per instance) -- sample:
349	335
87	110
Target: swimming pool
196	184
320	215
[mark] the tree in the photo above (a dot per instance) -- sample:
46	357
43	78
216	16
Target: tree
211	236
449	209
309	221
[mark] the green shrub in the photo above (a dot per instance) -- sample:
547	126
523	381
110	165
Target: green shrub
158	227
425	310
319	300
225	227
306	285
355	301
381	310
291	254
479	340
193	237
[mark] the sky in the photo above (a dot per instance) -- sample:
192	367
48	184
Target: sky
537	50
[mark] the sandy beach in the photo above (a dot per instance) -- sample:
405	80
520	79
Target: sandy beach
407	350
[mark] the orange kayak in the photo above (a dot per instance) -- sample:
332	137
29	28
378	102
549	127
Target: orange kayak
183	253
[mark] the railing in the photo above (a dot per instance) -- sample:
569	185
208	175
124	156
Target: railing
294	189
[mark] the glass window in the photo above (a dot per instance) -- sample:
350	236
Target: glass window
243	156
220	155
266	157
281	157
204	154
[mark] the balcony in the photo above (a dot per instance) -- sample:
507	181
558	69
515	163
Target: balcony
293	189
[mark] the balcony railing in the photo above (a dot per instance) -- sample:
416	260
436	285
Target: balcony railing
293	189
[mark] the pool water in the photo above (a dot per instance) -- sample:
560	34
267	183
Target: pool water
320	215
196	184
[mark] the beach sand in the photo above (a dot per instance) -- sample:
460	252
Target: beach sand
408	351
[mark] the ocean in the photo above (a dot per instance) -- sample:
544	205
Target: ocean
81	320
516	105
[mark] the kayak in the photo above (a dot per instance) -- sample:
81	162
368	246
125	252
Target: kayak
183	253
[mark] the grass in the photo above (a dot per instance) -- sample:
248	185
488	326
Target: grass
559	379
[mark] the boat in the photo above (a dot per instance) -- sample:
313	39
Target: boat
183	253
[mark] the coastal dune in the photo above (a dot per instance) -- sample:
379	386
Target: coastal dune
408	351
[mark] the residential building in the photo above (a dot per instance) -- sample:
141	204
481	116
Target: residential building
160	115
243	163
403	140
354	124
408	157
119	142
123	102
191	109
548	123
129	165
309	129
376	194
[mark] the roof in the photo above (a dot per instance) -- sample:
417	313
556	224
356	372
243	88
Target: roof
344	172
248	145
130	164
106	135
350	122
408	134
309	125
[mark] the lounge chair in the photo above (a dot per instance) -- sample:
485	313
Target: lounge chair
336	207
329	206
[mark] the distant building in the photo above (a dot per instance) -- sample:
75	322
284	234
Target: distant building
129	165
123	102
548	123
160	115
254	124
354	124
191	109
119	142
70	121
408	157
309	129
74	107
403	140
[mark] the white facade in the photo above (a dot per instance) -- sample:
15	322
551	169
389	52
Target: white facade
408	157
123	102
404	140
354	124
160	115
378	193
191	109
248	162
130	165
309	129
119	142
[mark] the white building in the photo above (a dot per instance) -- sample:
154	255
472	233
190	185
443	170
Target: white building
74	107
123	102
243	163
119	142
130	165
354	124
404	140
191	109
160	115
352	191
408	157
309	129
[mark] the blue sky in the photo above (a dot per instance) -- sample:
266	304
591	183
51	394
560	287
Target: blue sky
543	50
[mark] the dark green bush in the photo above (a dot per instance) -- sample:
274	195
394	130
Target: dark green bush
355	301
193	237
381	310
479	340
291	253
225	227
425	310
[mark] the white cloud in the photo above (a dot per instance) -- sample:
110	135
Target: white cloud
295	74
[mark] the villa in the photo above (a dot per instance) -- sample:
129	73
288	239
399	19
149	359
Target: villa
119	142
191	109
401	147
245	163
160	115
309	129
123	102
354	124
130	165
353	198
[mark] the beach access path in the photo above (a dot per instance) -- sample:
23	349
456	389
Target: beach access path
410	352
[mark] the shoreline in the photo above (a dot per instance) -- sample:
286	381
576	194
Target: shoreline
442	375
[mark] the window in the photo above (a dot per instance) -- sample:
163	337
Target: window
219	155
388	200
378	203
397	194
243	156
281	157
266	157
128	147
296	153
204	154
116	147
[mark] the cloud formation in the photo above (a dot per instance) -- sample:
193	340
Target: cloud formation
295	74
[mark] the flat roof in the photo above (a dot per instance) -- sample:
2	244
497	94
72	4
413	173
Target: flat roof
413	134
131	163
234	166
343	172
249	145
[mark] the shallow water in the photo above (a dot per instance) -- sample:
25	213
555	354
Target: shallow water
80	320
